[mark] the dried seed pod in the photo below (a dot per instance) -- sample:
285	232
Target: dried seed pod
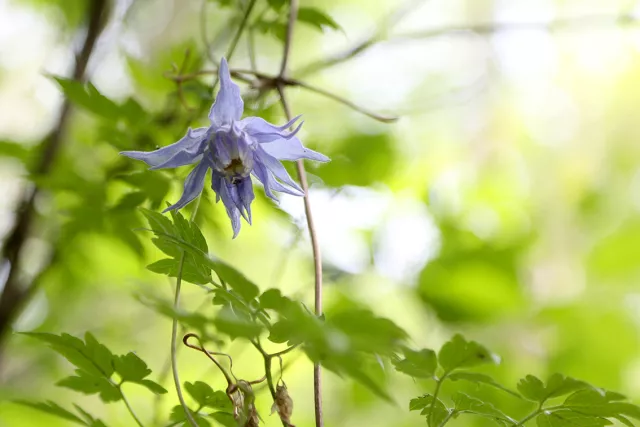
283	404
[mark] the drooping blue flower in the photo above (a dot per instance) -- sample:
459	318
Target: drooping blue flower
234	149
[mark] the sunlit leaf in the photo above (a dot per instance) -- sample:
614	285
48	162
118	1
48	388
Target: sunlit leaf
532	387
178	415
205	396
460	353
87	383
91	357
86	95
435	410
568	418
419	364
52	408
471	405
477	378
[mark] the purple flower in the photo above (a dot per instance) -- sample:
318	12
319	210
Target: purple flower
233	149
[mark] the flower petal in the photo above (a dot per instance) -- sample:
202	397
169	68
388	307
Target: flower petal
246	196
270	183
155	158
228	106
263	131
275	167
192	186
219	185
292	149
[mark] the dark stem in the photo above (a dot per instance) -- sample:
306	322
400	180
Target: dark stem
302	176
15	294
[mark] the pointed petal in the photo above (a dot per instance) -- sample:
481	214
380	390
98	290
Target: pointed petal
228	106
219	185
162	155
275	167
192	186
263	131
292	149
245	193
271	184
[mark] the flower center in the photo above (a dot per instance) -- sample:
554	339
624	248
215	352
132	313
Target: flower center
235	170
231	154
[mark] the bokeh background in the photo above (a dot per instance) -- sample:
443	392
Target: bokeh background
504	203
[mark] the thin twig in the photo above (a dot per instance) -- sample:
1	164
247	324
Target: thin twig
302	176
129	408
236	38
388	21
341	100
15	293
174	330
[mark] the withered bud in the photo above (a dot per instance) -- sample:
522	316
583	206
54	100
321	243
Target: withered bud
283	404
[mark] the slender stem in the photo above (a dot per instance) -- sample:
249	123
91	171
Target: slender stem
128	405
302	176
447	418
435	397
283	352
341	100
174	331
293	16
236	38
528	417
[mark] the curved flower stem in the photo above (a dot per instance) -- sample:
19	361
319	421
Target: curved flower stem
302	176
174	331
128	405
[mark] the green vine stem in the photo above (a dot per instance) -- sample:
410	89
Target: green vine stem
174	331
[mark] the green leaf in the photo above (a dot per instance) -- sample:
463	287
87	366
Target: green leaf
568	418
130	201
418	364
130	367
467	404
91	357
557	385
88	97
225	418
597	403
22	152
178	415
158	222
152	386
435	410
205	396
236	280
236	324
91	421
52	408
87	383
133	369
460	353
317	18
480	379
366	331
